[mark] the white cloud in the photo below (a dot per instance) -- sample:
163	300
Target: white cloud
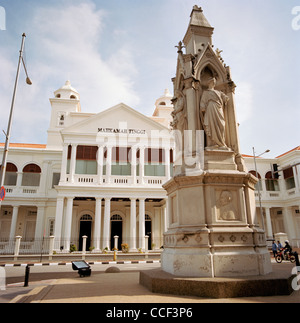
65	43
71	39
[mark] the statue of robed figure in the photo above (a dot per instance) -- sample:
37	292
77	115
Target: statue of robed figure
212	107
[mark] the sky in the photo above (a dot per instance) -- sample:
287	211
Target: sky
124	51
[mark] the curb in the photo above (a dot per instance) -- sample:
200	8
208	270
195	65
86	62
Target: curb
90	263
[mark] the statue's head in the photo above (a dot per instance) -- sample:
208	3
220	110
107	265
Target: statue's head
211	82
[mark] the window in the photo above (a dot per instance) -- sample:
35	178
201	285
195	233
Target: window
289	178
31	175
10	175
86	160
155	162
86	217
271	183
61	119
121	161
51	227
55	179
116	217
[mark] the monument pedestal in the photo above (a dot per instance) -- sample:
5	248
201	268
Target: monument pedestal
276	283
212	229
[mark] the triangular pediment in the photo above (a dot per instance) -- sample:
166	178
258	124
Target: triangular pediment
114	120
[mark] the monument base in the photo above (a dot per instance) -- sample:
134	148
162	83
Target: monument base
273	284
204	262
213	230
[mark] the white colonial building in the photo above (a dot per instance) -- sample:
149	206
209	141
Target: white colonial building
101	176
279	189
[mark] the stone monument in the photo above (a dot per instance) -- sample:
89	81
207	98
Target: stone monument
213	229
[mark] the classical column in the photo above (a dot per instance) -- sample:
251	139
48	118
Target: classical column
142	165
108	164
106	232
296	178
288	222
132	235
58	221
156	228
100	164
269	230
68	223
63	173
19	179
133	164
142	224
39	223
97	229
14	222
73	162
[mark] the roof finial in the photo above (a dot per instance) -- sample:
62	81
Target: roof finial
197	8
180	46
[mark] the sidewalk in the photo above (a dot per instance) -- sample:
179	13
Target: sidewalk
124	288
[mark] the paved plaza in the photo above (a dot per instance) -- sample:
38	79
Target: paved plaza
58	283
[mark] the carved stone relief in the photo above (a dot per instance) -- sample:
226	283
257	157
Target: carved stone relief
226	207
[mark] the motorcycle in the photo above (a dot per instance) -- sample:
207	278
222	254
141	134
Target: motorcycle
288	256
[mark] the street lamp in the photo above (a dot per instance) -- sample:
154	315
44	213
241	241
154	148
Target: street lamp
258	186
7	134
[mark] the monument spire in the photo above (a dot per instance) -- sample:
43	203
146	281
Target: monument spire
199	31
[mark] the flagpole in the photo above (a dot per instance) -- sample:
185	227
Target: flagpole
7	134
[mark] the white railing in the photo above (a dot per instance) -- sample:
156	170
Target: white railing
155	180
85	179
23	190
94	180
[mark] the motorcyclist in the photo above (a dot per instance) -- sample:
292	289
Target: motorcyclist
287	249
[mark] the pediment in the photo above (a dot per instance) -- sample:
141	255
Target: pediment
114	120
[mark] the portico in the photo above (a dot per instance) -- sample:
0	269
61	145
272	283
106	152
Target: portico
129	218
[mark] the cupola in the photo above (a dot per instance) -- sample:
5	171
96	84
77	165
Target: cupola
67	92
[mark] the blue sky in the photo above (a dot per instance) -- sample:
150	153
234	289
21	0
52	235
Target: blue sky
123	51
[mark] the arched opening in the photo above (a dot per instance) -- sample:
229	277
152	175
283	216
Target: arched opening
148	230
207	73
31	175
10	174
86	222
271	183
116	230
288	175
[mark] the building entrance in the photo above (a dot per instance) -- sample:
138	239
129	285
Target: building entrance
85	230
116	230
148	230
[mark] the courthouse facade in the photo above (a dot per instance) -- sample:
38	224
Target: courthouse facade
101	176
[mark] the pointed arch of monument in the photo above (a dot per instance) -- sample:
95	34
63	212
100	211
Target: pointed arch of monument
210	60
